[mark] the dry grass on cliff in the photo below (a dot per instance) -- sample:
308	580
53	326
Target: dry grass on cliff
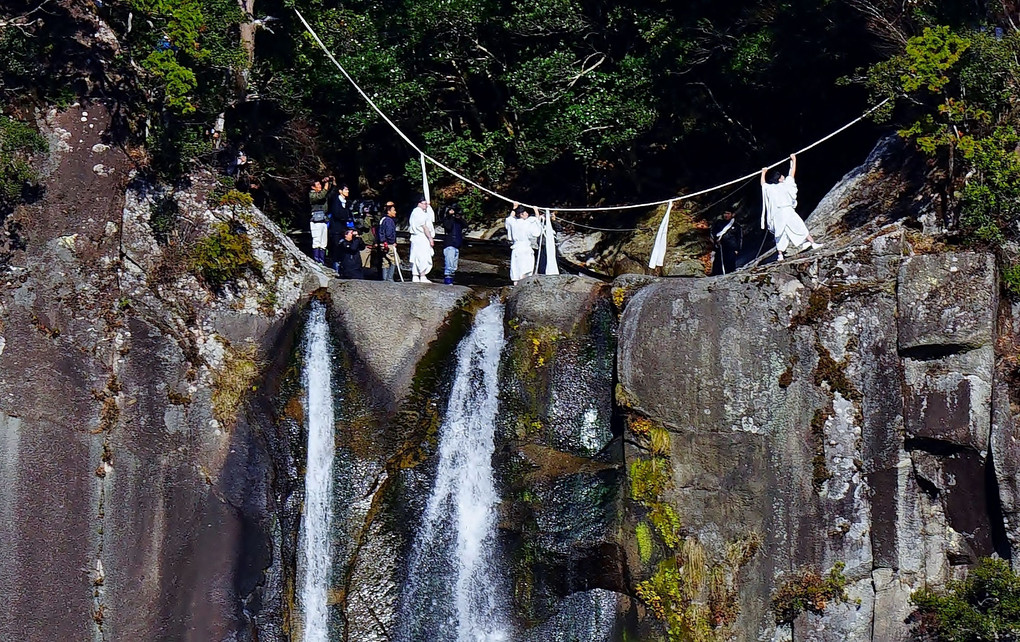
234	381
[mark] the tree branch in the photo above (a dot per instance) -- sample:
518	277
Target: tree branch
22	21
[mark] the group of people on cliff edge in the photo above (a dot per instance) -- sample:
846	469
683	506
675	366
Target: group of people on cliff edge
335	229
340	232
524	232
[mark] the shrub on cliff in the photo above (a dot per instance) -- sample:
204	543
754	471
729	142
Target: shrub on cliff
808	591
224	257
956	90
18	141
984	606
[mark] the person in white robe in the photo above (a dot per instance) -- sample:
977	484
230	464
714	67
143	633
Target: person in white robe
423	234
523	232
779	213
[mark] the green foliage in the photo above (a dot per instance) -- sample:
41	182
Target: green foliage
643	536
671	593
667	524
694	595
649	478
18	141
193	66
224	257
984	606
187	42
752	53
178	80
929	57
163	215
568	97
175	147
809	591
235	198
1011	279
959	92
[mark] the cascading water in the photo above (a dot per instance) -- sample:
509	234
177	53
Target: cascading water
453	591
315	557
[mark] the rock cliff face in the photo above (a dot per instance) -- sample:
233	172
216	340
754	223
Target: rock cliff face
841	409
849	410
137	458
558	457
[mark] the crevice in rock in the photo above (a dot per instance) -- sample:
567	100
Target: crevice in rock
934	446
935	352
926	486
996	518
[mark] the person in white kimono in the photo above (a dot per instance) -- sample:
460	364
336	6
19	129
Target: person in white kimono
423	234
778	210
522	232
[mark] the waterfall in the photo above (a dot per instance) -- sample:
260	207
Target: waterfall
453	590
315	556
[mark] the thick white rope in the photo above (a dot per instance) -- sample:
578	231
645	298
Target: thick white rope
610	208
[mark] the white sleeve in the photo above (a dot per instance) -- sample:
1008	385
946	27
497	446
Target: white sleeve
791	188
536	227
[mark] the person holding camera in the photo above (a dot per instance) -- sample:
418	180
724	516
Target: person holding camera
340	220
320	221
366	211
349	250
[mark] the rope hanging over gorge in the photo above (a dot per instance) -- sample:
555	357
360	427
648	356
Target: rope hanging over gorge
608	208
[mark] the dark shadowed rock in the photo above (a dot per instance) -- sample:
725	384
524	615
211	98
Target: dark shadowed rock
556	458
950	399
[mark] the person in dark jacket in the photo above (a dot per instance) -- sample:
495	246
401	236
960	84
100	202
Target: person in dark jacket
341	218
386	243
349	251
338	205
728	240
453	226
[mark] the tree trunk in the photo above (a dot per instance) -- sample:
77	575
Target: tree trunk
247	28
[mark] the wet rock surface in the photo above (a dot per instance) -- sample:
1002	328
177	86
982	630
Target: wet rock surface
557	459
